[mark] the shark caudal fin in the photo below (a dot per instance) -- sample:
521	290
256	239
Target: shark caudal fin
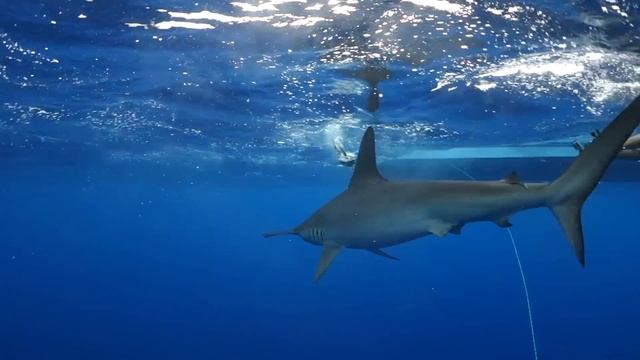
568	193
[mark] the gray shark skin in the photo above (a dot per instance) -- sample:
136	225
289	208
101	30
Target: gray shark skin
374	213
629	154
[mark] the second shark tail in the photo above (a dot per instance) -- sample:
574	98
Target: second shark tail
568	193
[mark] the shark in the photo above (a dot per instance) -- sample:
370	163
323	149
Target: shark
374	213
632	143
629	154
631	148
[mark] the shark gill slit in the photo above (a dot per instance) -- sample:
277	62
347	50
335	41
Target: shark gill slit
524	279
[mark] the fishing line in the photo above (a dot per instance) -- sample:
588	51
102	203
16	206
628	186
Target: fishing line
524	280
526	295
460	170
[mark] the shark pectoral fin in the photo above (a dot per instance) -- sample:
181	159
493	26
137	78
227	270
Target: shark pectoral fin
382	253
329	251
503	222
440	229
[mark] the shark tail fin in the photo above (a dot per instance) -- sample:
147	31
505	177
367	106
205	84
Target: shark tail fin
568	193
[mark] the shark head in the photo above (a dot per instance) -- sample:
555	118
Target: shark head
314	229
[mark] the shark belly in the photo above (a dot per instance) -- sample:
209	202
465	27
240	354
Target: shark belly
354	222
384	231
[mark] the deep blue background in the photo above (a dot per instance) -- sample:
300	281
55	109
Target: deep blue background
139	166
106	268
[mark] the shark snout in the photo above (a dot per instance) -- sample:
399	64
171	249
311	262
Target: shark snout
311	235
279	233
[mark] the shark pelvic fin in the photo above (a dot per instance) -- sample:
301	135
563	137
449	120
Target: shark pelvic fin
329	251
440	229
382	253
366	169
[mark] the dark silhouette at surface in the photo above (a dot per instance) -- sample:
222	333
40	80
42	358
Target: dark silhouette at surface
372	75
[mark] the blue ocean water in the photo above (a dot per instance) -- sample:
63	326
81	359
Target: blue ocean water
146	146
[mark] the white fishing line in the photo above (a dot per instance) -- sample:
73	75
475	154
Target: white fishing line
524	280
463	172
526	295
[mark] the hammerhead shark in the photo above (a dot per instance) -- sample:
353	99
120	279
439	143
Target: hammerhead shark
374	213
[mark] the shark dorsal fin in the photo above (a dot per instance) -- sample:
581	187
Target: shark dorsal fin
514	179
366	169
